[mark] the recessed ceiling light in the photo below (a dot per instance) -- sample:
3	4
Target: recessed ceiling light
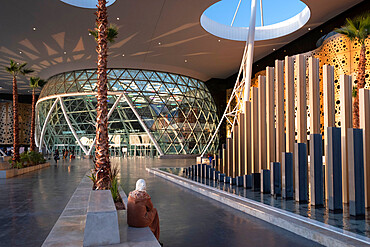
117	18
309	29
34	29
159	43
274	49
65	52
186	61
20	52
89	33
123	55
219	40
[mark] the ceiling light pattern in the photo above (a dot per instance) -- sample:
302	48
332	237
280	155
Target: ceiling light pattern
179	111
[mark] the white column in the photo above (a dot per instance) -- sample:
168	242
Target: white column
45	123
109	114
249	62
129	102
70	125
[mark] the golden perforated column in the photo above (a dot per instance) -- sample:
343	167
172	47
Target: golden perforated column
247	137
270	115
280	122
241	147
346	122
301	99
235	168
254	130
262	157
365	125
329	111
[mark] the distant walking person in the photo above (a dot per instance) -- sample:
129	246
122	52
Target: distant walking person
56	155
140	210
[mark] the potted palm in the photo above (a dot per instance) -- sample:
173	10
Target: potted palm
16	69
35	82
358	29
103	34
101	206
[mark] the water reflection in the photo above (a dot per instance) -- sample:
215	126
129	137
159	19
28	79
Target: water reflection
340	220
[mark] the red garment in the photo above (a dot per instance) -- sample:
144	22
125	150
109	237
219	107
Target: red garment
141	213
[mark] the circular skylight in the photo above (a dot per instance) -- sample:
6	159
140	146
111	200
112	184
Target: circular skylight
88	4
280	17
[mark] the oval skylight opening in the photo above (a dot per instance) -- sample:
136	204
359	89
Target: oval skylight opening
88	4
280	17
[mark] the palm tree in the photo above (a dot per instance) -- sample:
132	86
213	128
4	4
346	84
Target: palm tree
358	29
35	82
15	69
101	32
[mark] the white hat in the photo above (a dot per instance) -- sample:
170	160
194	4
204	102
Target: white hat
140	185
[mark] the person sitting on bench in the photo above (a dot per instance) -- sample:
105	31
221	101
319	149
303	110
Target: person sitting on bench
140	210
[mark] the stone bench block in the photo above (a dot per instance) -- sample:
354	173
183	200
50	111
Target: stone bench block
301	186
247	181
316	174
199	170
203	170
216	175
287	176
240	181
212	173
256	181
265	181
356	173
221	177
208	171
227	180
334	169
275	179
102	220
232	181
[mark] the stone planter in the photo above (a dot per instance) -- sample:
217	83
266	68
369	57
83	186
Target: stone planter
16	172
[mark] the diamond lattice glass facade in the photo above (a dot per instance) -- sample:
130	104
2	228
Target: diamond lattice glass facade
176	111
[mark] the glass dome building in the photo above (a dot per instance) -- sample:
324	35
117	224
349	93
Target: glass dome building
150	113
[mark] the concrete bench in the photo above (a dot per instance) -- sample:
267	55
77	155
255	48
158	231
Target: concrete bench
102	220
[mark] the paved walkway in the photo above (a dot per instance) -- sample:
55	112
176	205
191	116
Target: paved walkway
31	204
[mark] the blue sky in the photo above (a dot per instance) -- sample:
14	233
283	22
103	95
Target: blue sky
274	11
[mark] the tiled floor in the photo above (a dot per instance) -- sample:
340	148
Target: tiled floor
31	204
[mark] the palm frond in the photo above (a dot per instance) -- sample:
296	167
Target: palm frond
26	71
42	82
34	82
94	33
112	33
356	29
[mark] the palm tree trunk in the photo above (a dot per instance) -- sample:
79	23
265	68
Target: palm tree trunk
102	165
32	135
360	84
15	122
